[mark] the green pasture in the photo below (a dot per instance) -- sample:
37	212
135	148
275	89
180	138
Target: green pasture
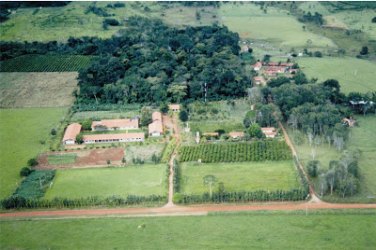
144	152
23	135
61	159
142	180
254	230
250	176
275	26
354	75
98	115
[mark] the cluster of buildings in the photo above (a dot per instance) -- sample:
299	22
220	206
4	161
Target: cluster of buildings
269	132
270	70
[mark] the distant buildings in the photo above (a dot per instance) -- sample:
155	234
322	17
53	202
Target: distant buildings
236	135
108	138
269	132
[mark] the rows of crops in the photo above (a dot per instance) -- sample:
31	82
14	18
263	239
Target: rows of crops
45	63
236	152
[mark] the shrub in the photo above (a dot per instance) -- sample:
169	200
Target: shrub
111	22
313	168
317	54
25	171
32	162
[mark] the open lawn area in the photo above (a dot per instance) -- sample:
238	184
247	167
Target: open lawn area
144	152
275	25
37	89
257	230
142	180
61	159
249	176
21	134
353	74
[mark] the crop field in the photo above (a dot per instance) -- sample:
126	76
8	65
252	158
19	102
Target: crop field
45	63
250	176
37	89
296	230
140	180
275	26
353	74
236	152
25	132
61	159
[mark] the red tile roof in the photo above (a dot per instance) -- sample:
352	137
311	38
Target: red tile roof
116	123
155	127
156	116
72	131
235	134
113	136
269	131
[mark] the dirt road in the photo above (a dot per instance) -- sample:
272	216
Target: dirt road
182	210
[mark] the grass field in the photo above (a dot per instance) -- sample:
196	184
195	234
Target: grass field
37	89
144	152
45	63
61	159
275	26
250	176
140	180
257	230
353	74
21	134
98	115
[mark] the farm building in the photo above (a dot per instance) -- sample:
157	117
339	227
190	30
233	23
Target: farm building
236	135
108	138
114	124
259	80
70	133
269	132
257	66
174	107
156	127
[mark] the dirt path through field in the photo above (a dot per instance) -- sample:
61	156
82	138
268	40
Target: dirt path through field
171	163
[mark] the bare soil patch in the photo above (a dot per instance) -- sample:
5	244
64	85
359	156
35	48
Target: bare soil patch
85	158
37	89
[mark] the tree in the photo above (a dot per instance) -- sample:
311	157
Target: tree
364	51
255	131
32	162
146	116
313	168
25	171
209	180
317	54
374	19
163	107
183	115
79	138
86	125
53	131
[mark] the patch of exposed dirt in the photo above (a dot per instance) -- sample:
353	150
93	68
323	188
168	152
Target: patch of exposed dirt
85	158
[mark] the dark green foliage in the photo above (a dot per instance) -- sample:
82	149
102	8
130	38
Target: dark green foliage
96	10
316	18
243	196
317	54
53	131
177	176
32	162
79	138
183	116
374	19
236	152
86	125
300	78
364	51
254	131
45	63
278	81
313	168
35	184
16	201
25	171
146	117
163	107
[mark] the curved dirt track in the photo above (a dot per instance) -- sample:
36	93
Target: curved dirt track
183	210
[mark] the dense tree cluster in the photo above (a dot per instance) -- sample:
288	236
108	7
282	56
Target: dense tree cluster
316	18
152	62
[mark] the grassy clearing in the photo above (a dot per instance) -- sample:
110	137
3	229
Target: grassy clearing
231	231
21	134
37	89
61	159
98	115
144	152
140	180
276	26
45	63
250	176
353	74
363	138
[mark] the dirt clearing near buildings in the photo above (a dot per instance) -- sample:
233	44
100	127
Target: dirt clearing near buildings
81	158
37	89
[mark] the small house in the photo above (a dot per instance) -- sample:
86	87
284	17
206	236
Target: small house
269	132
70	133
236	135
156	127
174	107
257	66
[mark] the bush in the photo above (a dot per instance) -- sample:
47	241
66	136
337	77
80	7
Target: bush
317	54
111	22
313	168
53	131
25	171
32	162
183	115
